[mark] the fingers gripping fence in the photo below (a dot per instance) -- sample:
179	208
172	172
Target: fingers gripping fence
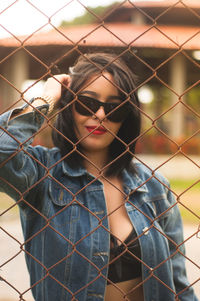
159	44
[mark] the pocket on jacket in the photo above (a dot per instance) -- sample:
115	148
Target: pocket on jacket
65	205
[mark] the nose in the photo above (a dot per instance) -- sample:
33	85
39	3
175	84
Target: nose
100	114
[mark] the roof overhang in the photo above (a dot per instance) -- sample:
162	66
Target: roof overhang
112	35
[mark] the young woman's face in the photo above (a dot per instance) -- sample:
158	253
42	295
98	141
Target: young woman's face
95	132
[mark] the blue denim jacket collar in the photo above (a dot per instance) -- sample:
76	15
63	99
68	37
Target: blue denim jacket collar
73	172
131	183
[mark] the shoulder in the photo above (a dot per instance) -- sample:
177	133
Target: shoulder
154	180
145	172
47	156
159	193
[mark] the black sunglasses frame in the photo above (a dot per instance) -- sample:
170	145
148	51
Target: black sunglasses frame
88	106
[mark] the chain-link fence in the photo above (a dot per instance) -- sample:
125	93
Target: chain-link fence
160	43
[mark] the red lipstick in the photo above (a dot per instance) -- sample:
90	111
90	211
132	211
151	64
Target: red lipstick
99	130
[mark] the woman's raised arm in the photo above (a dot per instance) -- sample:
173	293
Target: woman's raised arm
22	165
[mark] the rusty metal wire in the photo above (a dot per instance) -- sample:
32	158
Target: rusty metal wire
155	76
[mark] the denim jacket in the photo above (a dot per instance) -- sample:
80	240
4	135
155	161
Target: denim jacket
65	225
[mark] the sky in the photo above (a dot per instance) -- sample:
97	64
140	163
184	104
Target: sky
18	17
21	16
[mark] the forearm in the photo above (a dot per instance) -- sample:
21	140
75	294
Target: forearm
18	169
20	164
32	106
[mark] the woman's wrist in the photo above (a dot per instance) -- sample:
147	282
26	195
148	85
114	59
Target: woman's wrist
47	100
29	107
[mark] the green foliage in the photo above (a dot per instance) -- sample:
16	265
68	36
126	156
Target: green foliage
193	98
89	16
156	143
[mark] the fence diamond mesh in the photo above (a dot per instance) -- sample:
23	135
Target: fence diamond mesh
160	41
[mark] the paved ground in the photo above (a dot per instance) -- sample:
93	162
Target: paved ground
15	270
178	167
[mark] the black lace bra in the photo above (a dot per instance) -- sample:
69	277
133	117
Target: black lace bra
126	267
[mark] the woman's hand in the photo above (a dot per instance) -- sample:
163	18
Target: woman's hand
52	90
55	85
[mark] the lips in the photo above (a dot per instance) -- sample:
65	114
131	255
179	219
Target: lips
99	130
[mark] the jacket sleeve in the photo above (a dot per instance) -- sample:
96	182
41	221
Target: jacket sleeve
173	229
20	164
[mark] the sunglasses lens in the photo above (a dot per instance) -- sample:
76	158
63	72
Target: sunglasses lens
88	106
118	114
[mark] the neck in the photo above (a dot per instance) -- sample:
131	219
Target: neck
96	162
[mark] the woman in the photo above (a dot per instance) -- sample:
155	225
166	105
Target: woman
96	225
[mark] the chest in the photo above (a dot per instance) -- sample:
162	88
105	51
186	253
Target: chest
120	224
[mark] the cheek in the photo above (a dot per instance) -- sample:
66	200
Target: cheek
115	127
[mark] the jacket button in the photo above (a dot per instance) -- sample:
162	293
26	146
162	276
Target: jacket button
146	231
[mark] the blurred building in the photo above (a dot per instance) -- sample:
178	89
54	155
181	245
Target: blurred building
160	41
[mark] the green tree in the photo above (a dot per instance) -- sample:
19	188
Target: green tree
89	16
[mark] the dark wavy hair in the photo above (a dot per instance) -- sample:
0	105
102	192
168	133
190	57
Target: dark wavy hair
121	150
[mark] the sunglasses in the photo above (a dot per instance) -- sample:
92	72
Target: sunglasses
88	106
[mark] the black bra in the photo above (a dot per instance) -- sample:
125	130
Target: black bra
126	267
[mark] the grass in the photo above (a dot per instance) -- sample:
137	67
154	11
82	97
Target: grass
188	193
182	184
186	190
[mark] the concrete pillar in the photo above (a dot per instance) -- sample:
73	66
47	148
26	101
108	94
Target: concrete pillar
20	72
178	84
5	96
15	70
